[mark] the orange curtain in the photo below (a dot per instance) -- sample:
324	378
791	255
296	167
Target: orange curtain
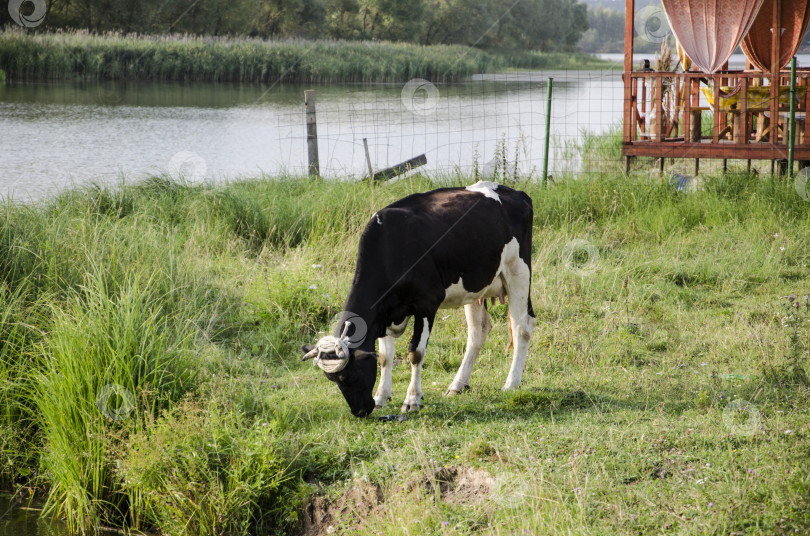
710	30
757	43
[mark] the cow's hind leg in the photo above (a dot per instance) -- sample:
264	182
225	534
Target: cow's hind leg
421	333
478	326
521	318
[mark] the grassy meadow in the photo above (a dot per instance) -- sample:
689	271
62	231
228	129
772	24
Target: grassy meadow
150	374
79	55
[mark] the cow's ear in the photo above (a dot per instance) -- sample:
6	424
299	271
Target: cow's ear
362	354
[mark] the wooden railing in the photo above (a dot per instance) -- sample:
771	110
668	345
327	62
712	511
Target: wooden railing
665	112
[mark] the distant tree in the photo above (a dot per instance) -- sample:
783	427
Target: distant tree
290	18
463	22
342	19
606	32
392	20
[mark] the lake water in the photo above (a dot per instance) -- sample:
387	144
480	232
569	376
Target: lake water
25	521
62	134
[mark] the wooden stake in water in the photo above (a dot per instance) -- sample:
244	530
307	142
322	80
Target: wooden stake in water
548	132
312	134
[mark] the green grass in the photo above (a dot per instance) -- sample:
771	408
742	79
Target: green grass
196	298
79	55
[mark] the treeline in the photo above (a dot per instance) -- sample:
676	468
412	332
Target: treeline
535	24
552	25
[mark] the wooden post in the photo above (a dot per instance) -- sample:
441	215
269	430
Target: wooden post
312	134
806	105
744	131
776	34
368	161
792	119
399	169
716	111
628	69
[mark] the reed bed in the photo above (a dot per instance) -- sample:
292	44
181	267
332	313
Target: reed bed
81	55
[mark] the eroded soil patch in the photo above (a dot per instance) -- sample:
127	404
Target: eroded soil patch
324	516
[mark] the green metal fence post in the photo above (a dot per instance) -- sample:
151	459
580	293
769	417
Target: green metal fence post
548	132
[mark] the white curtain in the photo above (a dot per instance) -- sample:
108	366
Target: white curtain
710	30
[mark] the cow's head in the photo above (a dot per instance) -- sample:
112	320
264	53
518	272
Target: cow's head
353	370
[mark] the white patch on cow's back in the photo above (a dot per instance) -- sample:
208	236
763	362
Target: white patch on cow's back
487	188
377	215
456	295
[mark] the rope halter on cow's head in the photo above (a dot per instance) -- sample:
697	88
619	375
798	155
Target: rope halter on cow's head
331	345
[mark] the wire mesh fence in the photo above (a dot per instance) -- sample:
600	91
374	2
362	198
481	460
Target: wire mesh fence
490	126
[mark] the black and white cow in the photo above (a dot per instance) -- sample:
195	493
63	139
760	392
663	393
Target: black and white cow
439	249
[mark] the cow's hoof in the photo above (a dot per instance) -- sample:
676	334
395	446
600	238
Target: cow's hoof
380	402
453	392
410	407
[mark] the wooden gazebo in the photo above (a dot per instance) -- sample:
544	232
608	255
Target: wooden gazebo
749	109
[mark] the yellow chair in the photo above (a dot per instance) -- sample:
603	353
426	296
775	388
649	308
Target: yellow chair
759	98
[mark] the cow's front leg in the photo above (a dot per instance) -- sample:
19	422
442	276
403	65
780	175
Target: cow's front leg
421	332
387	351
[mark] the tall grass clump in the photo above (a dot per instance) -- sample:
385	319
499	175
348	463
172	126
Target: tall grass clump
111	357
85	56
202	469
16	426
